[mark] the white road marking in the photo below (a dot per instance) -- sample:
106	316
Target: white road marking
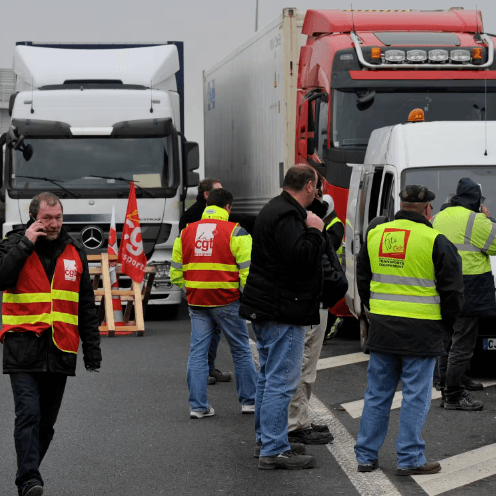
331	362
373	483
355	408
460	470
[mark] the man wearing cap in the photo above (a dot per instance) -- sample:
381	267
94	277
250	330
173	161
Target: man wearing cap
466	224
409	276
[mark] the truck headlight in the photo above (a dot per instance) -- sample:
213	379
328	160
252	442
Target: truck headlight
438	55
162	270
395	55
460	56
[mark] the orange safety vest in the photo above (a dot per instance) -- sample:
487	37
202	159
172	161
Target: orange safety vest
36	305
209	267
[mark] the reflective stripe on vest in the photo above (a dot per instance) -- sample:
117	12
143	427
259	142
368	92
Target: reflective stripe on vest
210	271
36	305
339	251
403	277
458	224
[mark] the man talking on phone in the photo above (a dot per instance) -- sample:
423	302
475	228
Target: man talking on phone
48	307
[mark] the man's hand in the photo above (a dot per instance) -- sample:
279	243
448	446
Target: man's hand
314	221
485	211
35	231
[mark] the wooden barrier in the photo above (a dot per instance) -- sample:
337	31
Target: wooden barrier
137	296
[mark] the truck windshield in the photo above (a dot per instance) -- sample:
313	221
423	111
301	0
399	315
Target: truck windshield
444	180
353	122
72	162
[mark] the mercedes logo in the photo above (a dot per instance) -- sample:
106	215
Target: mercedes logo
92	237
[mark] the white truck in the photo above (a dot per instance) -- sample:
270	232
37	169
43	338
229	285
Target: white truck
250	114
87	120
435	154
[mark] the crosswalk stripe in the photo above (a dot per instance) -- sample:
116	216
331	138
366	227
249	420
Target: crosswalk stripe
355	408
338	361
460	470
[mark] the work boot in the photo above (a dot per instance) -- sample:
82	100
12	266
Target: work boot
465	402
320	427
220	376
425	469
368	467
288	460
32	488
296	447
470	385
310	436
211	380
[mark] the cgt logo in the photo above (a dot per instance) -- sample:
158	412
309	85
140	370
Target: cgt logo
204	240
70	270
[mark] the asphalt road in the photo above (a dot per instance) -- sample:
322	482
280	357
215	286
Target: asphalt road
126	431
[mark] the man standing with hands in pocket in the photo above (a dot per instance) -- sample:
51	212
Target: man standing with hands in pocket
48	307
281	297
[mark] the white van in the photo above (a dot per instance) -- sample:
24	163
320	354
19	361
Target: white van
435	154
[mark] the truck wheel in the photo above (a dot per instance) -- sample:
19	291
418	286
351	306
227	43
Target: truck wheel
364	332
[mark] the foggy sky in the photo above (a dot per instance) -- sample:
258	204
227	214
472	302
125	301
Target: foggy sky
210	29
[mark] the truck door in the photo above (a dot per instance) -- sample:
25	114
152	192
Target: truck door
363	200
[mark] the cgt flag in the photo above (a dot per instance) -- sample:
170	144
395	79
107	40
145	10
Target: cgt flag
131	253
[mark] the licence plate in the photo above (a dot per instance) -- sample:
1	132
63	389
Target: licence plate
489	344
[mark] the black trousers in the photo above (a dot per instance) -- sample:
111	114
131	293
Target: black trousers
459	343
37	399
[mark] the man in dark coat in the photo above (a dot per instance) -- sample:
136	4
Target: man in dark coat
194	214
40	350
409	276
281	297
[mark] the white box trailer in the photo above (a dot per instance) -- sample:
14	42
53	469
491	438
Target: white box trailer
250	113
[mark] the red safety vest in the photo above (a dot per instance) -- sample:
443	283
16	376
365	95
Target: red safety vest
36	305
209	267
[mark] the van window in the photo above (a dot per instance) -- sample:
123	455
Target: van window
386	207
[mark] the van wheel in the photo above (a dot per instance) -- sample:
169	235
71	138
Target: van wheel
364	332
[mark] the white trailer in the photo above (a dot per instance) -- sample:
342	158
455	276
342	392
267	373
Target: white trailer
86	120
435	154
250	113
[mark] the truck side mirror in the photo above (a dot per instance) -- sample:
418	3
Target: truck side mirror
3	140
303	130
192	163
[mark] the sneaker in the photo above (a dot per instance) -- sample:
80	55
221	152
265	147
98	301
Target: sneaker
465	402
296	447
426	468
470	385
320	427
368	467
199	415
32	488
310	436
247	408
221	376
211	380
289	460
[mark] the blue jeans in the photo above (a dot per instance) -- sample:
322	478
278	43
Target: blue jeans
212	350
204	321
280	351
383	374
37	400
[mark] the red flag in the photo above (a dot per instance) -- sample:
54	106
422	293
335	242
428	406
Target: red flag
131	253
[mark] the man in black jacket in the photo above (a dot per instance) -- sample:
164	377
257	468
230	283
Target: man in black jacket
281	297
194	214
48	305
410	277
